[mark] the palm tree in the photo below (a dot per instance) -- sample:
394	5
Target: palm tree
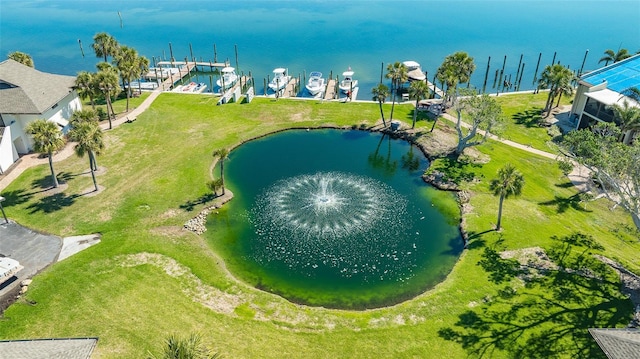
83	84
456	68
21	57
633	93
397	72
418	90
509	182
104	45
613	57
47	138
189	348
380	94
130	66
222	154
106	80
627	117
557	79
87	116
88	136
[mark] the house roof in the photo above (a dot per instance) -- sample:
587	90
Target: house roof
619	76
25	90
618	343
71	348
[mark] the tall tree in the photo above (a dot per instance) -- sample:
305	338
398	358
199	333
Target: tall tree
509	182
21	57
130	66
47	138
106	80
613	57
222	154
418	90
104	45
88	138
557	79
484	114
185	348
85	88
88	116
380	94
398	74
613	164
456	68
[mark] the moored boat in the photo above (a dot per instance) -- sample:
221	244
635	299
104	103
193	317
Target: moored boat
280	79
228	79
316	83
348	83
414	71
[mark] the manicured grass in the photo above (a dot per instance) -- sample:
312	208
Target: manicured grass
147	278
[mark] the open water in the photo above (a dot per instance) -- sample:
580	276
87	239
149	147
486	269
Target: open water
327	36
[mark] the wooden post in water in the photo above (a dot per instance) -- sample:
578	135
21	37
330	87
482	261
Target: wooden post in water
486	74
211	83
171	54
495	79
518	72
554	58
265	86
381	71
215	54
520	79
500	82
583	61
236	50
191	52
434	86
210	66
164	56
535	74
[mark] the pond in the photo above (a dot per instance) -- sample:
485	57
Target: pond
335	218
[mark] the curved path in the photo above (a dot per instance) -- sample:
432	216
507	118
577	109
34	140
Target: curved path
33	159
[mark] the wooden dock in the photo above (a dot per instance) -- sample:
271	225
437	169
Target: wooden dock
436	89
330	92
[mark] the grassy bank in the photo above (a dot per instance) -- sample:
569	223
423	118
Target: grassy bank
148	278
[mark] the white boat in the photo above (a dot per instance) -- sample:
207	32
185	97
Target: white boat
200	87
414	71
229	78
148	85
316	83
348	83
280	79
8	268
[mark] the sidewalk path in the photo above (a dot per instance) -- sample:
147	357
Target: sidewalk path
580	176
33	159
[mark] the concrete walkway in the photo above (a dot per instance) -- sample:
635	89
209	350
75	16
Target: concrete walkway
33	159
580	176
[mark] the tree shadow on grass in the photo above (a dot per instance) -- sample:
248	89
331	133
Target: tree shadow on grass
53	203
46	182
567	184
550	314
529	118
564	203
191	204
14	198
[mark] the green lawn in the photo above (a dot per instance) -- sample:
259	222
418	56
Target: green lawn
148	278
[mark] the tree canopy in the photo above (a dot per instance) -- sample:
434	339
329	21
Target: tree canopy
484	113
614	165
22	58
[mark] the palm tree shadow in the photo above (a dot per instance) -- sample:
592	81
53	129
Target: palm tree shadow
529	118
46	182
205	198
549	316
14	198
53	203
564	203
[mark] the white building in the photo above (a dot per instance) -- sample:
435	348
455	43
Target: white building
599	89
27	94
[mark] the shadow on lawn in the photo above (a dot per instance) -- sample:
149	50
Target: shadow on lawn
564	203
53	203
529	118
191	204
549	316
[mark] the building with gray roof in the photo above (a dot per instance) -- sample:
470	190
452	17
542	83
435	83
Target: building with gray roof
618	343
27	94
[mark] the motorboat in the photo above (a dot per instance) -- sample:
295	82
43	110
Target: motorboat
228	78
348	83
316	83
200	87
280	79
414	71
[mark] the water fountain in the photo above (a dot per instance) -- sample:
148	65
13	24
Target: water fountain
333	227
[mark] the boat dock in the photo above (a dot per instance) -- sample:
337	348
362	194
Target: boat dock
330	92
438	91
